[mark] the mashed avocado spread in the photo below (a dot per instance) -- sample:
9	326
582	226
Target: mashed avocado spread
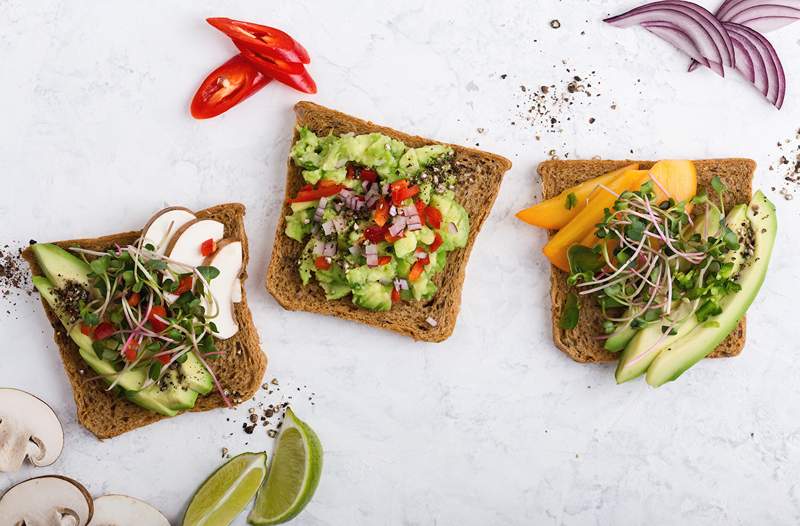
377	218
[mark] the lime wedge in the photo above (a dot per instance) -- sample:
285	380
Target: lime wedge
227	491
293	475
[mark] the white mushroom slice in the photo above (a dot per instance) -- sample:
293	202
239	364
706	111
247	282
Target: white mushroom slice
120	510
160	229
29	428
46	501
228	260
185	245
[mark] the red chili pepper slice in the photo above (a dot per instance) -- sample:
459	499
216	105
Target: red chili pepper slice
313	195
322	263
437	242
293	74
374	233
185	284
434	217
208	247
384	260
227	86
401	194
103	331
369	175
416	270
161	312
395	295
264	39
381	215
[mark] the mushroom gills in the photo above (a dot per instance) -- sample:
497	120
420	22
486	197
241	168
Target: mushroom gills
29	428
46	501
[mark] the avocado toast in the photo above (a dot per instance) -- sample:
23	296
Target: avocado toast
238	365
595	335
381	281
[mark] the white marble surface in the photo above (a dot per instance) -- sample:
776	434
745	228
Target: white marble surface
495	426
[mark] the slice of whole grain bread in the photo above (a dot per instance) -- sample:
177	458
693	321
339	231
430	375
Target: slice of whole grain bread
477	197
239	370
581	343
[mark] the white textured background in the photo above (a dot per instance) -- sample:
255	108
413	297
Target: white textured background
495	426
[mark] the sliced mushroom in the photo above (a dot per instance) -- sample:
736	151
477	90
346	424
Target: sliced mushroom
46	501
160	229
29	428
228	260
120	510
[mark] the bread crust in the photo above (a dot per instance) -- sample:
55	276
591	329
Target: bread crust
283	280
240	370
581	343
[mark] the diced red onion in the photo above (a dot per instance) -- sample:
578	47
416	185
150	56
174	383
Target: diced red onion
323	201
432	322
339	224
420	254
397	226
410	211
392	210
371	249
400	284
329	250
319	247
372	260
413	227
452	228
327	227
355	250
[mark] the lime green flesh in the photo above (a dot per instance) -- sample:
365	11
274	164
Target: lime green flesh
227	492
293	477
179	395
687	351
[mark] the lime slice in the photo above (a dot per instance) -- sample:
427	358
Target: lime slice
293	475
226	492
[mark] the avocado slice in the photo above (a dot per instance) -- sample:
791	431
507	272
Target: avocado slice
183	383
700	342
621	336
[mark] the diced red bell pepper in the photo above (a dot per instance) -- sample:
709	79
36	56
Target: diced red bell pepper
437	242
395	295
389	238
322	263
374	233
434	217
208	247
381	215
134	299
369	175
400	184
313	195
421	206
85	329
103	331
384	260
129	350
160	312
185	284
416	270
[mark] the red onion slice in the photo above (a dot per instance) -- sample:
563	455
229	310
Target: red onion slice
679	39
775	76
705	31
762	15
759	75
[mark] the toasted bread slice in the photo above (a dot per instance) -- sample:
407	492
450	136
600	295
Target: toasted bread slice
477	197
240	370
581	343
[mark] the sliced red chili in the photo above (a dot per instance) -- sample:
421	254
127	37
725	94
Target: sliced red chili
185	284
160	312
381	215
374	233
267	40
313	195
293	74
227	86
434	217
322	263
437	242
416	270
